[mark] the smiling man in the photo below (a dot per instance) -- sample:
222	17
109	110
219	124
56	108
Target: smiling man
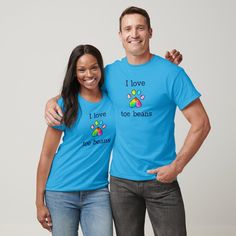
135	33
145	90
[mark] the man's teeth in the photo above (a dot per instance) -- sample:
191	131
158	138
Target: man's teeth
136	41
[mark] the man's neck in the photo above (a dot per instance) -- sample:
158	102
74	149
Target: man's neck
141	59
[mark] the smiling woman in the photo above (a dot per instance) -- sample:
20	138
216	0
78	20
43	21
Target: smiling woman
85	76
88	74
73	182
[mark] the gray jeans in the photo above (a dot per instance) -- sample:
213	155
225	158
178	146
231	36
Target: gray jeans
163	201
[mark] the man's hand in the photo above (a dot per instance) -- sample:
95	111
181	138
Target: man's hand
174	56
53	112
44	218
166	174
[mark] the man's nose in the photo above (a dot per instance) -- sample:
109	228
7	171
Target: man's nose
134	33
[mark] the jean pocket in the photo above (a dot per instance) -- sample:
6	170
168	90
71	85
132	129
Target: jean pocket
104	189
161	186
159	182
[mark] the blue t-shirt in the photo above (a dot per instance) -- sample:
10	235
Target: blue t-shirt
145	98
82	159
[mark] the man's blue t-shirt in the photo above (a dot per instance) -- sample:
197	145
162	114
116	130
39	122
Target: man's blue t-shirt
82	159
145	98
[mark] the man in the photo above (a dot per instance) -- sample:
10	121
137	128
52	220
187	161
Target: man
145	90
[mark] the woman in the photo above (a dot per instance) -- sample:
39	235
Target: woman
73	182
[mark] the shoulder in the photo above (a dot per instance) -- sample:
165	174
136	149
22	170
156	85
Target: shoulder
114	66
60	102
166	66
106	99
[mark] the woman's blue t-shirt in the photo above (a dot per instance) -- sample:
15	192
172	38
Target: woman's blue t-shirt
82	159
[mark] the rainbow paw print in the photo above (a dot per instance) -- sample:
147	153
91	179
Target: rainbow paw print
135	96
97	128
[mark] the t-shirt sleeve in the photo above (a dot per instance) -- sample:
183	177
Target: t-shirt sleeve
61	127
183	90
104	86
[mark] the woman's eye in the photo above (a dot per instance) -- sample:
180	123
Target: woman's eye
81	70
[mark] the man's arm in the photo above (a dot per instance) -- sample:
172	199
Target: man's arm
200	127
53	113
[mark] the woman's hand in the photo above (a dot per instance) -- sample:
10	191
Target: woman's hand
44	217
174	56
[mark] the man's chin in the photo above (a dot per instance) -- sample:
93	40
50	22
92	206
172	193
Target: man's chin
136	53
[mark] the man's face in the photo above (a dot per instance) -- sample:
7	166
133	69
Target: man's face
135	34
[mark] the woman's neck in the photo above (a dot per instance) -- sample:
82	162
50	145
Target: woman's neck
94	95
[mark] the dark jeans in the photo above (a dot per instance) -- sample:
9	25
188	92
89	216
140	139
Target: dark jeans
163	201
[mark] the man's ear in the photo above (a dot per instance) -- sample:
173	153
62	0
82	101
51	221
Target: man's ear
119	34
150	33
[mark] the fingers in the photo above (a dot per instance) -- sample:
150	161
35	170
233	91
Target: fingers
52	118
173	52
45	225
165	177
46	222
174	56
161	179
59	111
178	59
155	171
55	113
51	121
160	175
167	56
44	217
49	220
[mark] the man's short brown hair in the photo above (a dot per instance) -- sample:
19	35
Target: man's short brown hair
135	10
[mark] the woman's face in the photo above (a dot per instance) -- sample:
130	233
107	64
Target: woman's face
88	72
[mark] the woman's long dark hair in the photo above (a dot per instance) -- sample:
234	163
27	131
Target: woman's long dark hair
71	86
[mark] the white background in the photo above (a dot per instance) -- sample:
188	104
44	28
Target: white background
36	38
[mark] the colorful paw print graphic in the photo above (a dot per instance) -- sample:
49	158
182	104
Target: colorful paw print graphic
97	128
134	98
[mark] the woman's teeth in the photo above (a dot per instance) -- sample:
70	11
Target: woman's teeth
90	81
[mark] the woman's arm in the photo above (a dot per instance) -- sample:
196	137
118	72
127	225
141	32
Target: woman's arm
50	144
